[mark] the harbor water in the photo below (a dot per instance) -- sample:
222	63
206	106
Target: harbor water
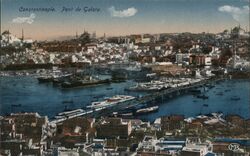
26	94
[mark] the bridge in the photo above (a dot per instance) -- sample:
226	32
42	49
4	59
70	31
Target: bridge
159	95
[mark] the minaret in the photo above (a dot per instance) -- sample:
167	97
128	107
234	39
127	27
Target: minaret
22	35
94	35
8	36
76	35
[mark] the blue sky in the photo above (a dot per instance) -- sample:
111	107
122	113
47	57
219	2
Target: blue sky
122	17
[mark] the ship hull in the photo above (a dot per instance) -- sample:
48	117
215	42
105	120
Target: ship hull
83	84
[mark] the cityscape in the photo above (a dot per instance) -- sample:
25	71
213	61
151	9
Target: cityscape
139	78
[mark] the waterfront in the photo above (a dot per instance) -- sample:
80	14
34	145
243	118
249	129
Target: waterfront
24	93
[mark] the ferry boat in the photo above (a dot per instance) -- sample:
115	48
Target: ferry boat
84	83
147	110
110	101
52	77
68	114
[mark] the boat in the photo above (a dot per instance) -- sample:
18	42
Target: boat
54	77
57	81
235	98
195	91
69	113
68	101
16	105
219	93
202	96
83	83
147	110
44	79
205	105
110	101
126	114
110	88
209	86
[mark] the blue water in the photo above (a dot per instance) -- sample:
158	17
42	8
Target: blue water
189	105
48	100
244	142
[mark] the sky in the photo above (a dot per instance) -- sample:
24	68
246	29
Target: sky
121	17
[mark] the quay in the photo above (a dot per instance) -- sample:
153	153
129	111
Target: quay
159	95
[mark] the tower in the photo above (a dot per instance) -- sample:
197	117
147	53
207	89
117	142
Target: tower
22	35
8	39
76	35
94	35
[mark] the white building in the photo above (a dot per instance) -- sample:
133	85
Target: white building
64	151
197	148
181	58
74	59
51	57
208	61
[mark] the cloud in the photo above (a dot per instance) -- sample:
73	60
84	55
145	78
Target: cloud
29	19
122	13
237	13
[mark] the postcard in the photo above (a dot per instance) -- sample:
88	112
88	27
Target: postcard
125	77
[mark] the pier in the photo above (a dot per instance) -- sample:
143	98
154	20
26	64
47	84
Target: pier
159	95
